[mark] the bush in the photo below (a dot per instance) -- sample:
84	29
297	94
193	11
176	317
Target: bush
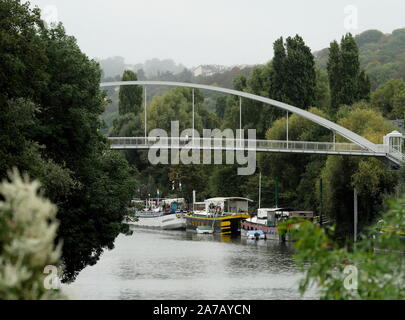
376	263
27	232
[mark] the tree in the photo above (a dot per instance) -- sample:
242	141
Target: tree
69	124
293	78
255	114
50	107
278	75
372	275
389	99
348	83
92	218
293	172
130	97
176	105
191	177
22	53
22	76
71	102
225	182
350	70
364	85
369	176
220	107
322	92
335	77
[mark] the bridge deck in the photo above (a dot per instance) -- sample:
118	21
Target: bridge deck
127	143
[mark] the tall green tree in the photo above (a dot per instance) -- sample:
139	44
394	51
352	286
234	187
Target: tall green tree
130	97
255	114
278	76
22	76
50	107
334	74
348	83
294	76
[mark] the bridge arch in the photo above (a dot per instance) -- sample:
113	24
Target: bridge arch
342	131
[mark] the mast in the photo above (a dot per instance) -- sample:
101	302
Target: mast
260	189
276	192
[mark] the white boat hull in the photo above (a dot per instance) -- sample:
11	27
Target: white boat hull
205	231
172	222
165	222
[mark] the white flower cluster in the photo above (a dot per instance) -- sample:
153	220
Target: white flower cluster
28	229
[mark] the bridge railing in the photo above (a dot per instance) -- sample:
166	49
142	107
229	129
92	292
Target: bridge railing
309	146
246	144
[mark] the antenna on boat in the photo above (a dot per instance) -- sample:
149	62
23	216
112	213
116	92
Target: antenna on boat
194	197
276	192
260	189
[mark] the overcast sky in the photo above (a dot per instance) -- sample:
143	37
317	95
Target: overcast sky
223	32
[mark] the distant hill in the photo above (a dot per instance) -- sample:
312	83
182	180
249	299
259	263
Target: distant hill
224	79
114	67
381	55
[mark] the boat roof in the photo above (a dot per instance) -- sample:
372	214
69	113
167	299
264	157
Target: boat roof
227	198
277	209
171	200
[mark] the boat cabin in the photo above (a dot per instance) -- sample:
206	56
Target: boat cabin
227	206
173	204
270	217
199	207
302	214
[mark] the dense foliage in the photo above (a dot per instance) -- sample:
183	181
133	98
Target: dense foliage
130	97
295	179
389	99
348	84
372	270
290	77
50	105
382	56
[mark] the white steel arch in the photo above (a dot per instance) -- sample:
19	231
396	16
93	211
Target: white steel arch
351	136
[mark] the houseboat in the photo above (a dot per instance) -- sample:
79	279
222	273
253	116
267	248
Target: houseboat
166	214
268	219
221	215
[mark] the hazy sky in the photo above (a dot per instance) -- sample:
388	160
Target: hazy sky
213	31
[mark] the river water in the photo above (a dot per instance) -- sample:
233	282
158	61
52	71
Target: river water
171	265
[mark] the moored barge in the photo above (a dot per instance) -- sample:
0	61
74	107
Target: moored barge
268	219
222	215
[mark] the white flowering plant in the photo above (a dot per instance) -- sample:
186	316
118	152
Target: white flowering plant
28	229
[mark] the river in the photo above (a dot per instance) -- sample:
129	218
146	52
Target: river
173	265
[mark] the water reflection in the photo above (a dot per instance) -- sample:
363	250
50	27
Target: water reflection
179	265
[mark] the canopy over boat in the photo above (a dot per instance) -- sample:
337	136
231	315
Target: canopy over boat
222	199
175	200
227	205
